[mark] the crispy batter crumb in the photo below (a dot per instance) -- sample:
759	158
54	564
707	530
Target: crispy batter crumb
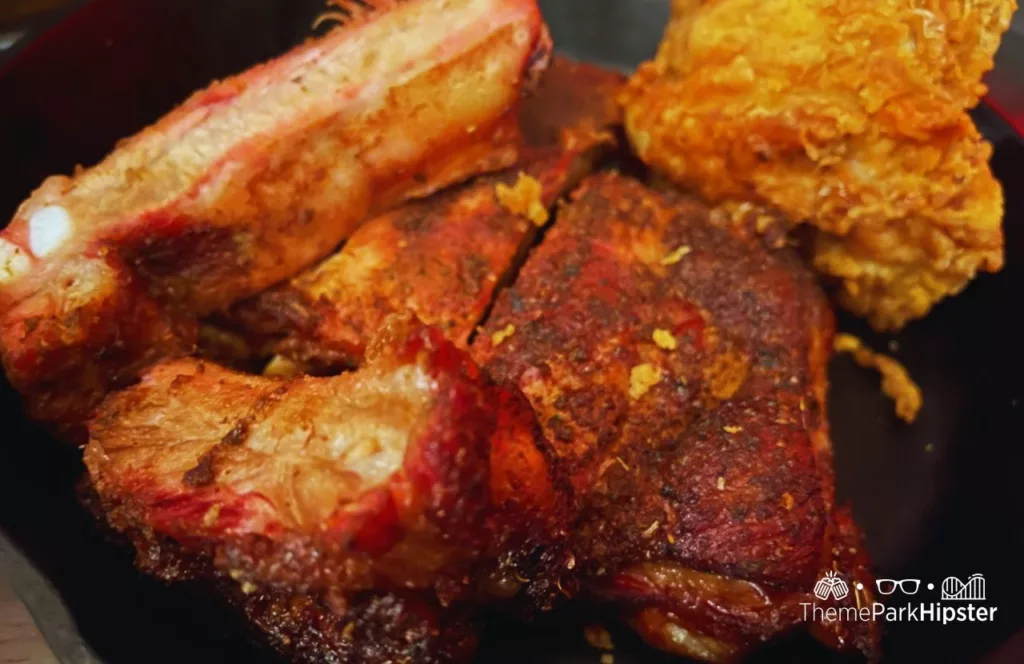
720	484
598	637
676	256
763	223
787	500
524	199
727	373
347	631
732	428
282	367
651	529
664	340
211	516
500	336
642	378
607	658
248	588
896	381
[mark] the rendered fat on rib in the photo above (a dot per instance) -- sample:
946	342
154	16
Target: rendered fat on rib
678	368
414	472
248	182
445	256
441	258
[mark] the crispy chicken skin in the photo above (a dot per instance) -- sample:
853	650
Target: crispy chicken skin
414	472
849	116
678	367
442	257
248	182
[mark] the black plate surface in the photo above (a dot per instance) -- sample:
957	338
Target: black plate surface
942	497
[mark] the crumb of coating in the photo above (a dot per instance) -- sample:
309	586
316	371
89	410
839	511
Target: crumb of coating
896	381
598	637
524	199
642	378
676	256
664	340
502	335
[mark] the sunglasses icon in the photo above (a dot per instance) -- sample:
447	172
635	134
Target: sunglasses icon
906	586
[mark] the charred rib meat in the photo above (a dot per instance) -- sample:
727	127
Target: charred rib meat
414	472
679	372
442	257
250	181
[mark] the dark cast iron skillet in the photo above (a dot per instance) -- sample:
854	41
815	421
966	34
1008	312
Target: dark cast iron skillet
942	497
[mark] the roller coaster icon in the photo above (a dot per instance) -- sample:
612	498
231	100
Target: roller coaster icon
973	589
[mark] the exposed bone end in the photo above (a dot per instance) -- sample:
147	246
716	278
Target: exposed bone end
14	261
48	229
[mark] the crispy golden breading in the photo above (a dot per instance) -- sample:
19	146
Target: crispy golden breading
896	381
849	115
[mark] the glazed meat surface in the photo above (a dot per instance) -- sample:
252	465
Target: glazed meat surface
678	368
849	116
443	257
414	472
248	182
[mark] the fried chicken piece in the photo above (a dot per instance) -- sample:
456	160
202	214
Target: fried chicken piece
679	369
415	472
849	116
250	181
443	257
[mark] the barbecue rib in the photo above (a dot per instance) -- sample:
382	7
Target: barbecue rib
442	257
370	629
678	368
322	627
250	181
414	472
